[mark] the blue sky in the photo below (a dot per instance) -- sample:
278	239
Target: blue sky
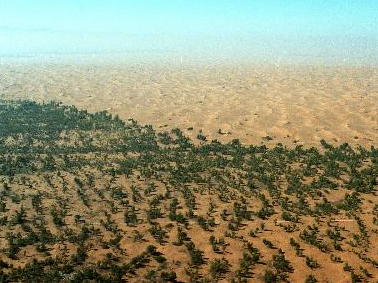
49	26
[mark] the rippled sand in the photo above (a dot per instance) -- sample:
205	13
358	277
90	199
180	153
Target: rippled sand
301	104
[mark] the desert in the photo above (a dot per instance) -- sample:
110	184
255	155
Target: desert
134	172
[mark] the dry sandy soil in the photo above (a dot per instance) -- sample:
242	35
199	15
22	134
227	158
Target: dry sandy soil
294	103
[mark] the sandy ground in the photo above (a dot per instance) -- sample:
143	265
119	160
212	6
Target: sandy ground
303	104
293	103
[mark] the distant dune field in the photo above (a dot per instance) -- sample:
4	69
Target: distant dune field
300	104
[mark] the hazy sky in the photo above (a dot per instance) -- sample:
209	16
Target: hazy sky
312	27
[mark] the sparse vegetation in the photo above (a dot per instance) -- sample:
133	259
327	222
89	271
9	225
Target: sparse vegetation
91	198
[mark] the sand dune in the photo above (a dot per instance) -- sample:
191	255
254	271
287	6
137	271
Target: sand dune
295	103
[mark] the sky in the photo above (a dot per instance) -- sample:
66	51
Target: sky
345	28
